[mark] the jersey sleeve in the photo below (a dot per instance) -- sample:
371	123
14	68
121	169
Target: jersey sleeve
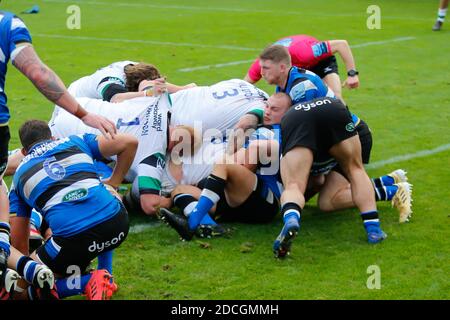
109	86
18	33
150	172
91	142
255	71
321	50
17	206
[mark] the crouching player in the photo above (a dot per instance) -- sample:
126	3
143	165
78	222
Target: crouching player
59	179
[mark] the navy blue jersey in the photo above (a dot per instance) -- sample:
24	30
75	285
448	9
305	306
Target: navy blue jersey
59	179
12	31
269	173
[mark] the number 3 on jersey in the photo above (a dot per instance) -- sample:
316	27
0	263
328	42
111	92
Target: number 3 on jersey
121	123
225	94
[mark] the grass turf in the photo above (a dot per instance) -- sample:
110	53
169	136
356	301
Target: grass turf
403	97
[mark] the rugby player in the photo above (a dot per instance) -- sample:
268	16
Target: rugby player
15	45
442	12
120	81
317	56
59	179
319	134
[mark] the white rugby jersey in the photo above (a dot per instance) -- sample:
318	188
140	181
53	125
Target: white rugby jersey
145	118
94	85
193	169
219	106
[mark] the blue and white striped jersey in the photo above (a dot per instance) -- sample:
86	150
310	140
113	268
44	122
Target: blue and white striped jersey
12	31
59	179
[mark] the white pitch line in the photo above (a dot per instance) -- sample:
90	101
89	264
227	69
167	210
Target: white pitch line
151	42
212	8
423	153
409	156
233	63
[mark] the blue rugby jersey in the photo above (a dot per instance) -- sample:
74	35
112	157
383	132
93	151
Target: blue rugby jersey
12	31
59	179
303	85
269	173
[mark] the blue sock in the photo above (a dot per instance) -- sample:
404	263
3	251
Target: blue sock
290	211
105	261
67	288
214	186
26	268
385	193
383	181
371	221
36	219
208	220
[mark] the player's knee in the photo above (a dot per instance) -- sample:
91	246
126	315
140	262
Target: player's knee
325	204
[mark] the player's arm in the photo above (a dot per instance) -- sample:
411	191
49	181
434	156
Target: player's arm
5	229
342	47
254	72
243	129
124	146
150	171
26	60
20	214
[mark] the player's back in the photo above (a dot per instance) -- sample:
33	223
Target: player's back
59	179
219	106
123	115
91	86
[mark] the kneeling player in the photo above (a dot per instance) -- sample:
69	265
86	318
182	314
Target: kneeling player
58	178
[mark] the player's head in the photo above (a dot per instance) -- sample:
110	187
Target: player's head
32	132
275	63
277	105
135	73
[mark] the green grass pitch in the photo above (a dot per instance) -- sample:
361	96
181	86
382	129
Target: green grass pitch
404	97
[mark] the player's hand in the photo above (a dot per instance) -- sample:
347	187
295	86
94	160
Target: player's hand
351	82
106	127
159	86
190	85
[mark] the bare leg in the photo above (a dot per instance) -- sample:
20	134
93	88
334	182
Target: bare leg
295	168
348	155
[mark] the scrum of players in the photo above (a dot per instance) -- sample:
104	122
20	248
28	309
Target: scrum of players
195	157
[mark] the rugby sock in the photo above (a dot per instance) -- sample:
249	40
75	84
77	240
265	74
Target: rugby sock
371	221
26	268
187	204
385	193
441	15
290	211
383	181
209	197
70	287
36	219
105	261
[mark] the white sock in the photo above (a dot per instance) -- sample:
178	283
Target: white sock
441	14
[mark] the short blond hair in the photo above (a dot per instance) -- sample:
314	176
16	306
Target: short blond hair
276	54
